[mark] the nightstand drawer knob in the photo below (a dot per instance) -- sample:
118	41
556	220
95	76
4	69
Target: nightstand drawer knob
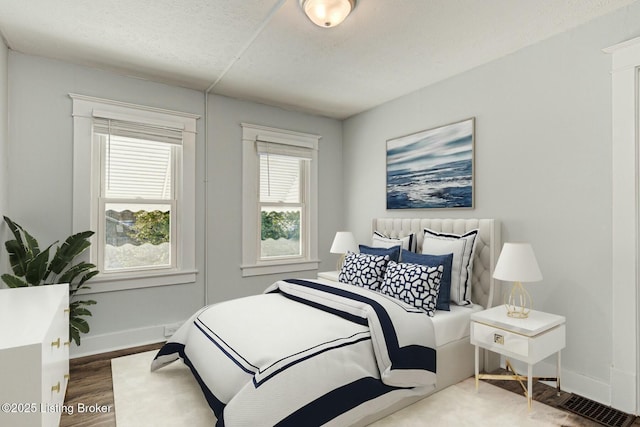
498	339
56	388
55	343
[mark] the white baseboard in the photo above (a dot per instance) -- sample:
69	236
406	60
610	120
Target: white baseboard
623	391
584	386
96	344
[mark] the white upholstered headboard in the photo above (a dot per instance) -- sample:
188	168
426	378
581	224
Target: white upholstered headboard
484	287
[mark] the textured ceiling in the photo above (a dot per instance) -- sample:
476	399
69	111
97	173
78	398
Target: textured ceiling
267	51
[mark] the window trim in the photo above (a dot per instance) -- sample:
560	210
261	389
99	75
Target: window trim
85	160
252	265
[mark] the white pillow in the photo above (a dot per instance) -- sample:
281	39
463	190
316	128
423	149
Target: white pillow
408	243
462	248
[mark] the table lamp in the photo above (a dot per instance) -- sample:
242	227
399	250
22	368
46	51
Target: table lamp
343	242
517	263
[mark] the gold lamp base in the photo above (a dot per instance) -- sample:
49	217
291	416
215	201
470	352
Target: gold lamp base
518	302
340	262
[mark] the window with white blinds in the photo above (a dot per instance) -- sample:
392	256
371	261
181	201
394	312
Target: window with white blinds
284	166
134	186
138	159
137	203
282	200
280	178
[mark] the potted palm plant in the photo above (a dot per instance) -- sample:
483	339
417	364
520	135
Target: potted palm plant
33	266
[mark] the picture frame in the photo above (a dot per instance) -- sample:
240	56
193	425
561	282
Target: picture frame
433	168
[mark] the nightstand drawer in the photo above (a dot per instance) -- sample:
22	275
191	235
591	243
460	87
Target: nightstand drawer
528	349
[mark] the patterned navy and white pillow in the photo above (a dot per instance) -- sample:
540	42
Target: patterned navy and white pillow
363	270
444	294
414	284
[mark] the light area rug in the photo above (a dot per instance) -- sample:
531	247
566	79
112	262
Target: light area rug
172	397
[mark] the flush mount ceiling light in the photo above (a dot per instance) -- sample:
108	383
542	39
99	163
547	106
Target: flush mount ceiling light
327	13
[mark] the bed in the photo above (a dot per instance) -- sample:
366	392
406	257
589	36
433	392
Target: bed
320	352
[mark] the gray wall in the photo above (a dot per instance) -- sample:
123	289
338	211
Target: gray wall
542	166
224	211
40	196
41	173
4	142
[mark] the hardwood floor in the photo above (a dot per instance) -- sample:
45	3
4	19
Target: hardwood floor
91	384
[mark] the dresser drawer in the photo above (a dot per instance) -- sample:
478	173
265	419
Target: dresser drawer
530	349
55	357
55	345
34	356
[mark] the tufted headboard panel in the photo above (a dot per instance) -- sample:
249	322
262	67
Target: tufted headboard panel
484	287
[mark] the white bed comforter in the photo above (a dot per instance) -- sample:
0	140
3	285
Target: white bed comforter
305	353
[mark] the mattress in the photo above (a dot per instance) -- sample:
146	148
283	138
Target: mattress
449	326
453	325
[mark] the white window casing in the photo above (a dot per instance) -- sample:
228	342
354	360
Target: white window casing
625	91
170	127
261	140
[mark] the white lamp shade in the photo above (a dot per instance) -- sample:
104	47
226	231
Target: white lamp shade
327	13
517	263
343	243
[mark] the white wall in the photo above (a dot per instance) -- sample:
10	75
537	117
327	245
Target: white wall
543	167
40	197
224	211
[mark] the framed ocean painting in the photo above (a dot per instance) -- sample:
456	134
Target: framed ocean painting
432	168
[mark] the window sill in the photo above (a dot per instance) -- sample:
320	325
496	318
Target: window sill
278	267
119	282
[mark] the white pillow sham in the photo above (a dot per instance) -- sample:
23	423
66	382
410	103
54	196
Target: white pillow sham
380	240
462	247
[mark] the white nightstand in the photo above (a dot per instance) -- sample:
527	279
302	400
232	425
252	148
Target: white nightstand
528	340
329	275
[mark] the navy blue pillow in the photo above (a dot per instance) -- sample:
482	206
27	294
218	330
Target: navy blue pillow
393	252
444	295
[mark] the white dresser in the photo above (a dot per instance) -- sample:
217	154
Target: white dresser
34	355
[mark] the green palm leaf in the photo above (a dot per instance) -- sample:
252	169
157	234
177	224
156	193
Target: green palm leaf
75	271
79	324
32	267
29	243
13	281
72	247
37	268
17	257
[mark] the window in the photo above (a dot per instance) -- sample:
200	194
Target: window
279	201
134	187
284	172
137	200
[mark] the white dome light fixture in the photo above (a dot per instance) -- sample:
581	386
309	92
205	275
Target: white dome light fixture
327	13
